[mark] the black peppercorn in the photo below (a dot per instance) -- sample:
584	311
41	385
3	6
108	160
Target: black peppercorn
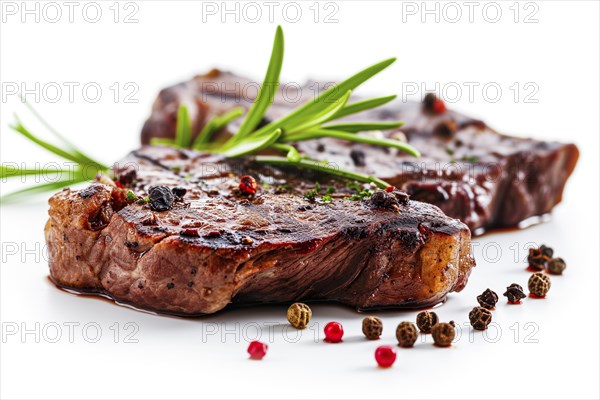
538	258
391	200
127	176
539	284
515	293
480	318
179	191
407	334
358	157
378	198
426	320
488	299
372	327
433	104
402	197
161	198
445	129
547	251
428	101
556	266
443	334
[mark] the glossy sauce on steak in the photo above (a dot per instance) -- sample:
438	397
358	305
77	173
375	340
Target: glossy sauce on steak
470	171
214	246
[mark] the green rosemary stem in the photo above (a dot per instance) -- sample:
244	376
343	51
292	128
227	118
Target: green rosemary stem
351	137
291	153
320	166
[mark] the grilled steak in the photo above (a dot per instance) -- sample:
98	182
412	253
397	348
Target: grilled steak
201	244
470	171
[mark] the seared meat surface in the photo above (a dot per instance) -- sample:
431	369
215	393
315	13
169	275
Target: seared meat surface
470	171
215	246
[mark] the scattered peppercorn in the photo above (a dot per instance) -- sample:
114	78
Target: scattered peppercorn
390	189
128	176
170	285
388	199
488	299
426	320
443	334
433	104
248	185
179	191
446	128
515	293
406	334
89	191
536	260
257	350
358	157
539	284
480	318
372	327
547	251
556	266
333	332
161	198
385	356
299	315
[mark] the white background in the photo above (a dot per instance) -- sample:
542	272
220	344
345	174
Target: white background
187	358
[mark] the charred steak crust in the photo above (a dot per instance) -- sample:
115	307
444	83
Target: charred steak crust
216	246
470	171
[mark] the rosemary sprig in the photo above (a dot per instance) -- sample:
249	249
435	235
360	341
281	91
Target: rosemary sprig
321	133
183	129
71	155
267	91
78	176
214	125
85	167
309	121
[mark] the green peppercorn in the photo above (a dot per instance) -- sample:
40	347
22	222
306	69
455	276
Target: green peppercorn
539	284
556	266
299	315
443	334
372	327
426	320
407	334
